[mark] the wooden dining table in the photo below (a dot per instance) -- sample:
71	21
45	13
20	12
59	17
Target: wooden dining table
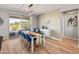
38	39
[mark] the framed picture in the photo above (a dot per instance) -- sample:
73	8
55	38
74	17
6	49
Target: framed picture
72	20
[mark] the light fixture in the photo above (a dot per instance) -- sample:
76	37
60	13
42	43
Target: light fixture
29	9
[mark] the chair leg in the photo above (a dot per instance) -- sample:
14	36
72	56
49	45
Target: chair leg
22	40
28	46
25	43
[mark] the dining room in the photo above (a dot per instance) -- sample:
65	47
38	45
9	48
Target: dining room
38	29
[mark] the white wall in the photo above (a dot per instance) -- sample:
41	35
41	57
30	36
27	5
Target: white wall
4	26
54	19
33	22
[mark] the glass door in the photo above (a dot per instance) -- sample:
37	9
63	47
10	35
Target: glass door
14	26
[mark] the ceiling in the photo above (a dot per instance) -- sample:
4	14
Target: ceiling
38	8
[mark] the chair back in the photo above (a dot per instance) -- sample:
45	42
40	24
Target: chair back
36	30
26	36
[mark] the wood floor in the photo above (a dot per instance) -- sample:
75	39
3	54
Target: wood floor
66	46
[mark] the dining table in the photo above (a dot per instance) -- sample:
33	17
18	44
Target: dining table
38	37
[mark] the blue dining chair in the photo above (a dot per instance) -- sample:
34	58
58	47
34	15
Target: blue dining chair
30	40
21	36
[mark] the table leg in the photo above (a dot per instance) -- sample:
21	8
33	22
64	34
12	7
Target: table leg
40	39
44	40
32	45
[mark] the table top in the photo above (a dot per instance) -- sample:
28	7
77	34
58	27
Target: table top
34	33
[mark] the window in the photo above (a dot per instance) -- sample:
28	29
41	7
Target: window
14	24
17	23
25	23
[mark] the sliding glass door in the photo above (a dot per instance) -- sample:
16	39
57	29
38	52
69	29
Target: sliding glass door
16	24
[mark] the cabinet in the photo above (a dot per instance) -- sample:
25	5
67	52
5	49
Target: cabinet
46	32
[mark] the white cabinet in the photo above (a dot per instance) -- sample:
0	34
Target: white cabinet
46	32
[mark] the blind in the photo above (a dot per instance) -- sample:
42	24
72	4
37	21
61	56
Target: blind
19	17
15	17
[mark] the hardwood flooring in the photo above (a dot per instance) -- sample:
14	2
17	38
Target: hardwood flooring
66	46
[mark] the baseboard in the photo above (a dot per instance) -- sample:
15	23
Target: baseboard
70	38
54	38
